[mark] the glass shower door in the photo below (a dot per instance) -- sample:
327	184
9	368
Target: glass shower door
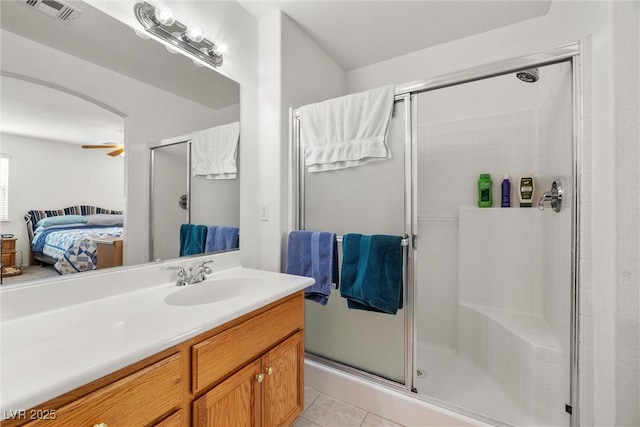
494	284
367	199
169	198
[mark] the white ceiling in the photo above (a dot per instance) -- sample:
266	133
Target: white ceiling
358	33
38	111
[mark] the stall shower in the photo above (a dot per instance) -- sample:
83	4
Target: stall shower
493	305
488	328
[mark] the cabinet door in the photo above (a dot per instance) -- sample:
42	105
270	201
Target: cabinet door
234	402
283	398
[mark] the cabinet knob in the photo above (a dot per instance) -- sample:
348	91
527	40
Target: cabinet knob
269	370
259	378
100	425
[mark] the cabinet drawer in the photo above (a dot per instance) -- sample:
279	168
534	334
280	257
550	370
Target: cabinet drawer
221	354
8	259
136	400
8	245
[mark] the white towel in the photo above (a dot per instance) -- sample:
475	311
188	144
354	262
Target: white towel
214	151
347	131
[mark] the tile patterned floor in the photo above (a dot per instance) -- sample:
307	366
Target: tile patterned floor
321	410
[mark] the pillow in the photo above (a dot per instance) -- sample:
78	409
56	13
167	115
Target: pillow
61	220
59	226
104	219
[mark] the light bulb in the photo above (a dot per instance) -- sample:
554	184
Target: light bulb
172	49
194	33
164	15
215	51
142	34
222	48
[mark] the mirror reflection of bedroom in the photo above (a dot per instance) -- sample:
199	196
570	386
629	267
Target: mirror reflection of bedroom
62	149
82	102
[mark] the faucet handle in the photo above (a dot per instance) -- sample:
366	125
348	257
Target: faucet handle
181	272
207	269
554	196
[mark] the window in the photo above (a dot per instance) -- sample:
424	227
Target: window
4	187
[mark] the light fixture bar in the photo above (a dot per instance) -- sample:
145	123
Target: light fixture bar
176	34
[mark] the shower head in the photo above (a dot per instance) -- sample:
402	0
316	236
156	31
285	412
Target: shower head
530	75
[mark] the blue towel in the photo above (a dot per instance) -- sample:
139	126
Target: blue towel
221	238
314	254
372	272
192	239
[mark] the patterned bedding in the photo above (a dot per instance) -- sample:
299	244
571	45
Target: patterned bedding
74	246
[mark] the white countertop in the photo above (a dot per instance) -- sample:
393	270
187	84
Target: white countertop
52	352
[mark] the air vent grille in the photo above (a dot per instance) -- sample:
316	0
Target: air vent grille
55	9
65	15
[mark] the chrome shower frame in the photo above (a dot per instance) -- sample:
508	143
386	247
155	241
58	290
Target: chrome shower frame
408	92
152	182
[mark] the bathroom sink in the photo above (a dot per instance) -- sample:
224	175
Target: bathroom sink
214	290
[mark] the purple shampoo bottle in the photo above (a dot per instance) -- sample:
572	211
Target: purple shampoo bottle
506	192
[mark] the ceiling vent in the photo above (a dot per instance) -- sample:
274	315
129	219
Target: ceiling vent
55	9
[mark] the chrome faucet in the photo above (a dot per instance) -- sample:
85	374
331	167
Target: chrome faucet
554	196
184	277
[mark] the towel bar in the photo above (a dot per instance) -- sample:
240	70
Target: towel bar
403	242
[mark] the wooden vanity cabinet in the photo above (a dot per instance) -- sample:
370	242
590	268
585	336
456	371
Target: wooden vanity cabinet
267	392
248	372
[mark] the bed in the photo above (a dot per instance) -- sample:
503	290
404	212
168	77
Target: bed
69	238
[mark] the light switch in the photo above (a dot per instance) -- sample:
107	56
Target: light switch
264	212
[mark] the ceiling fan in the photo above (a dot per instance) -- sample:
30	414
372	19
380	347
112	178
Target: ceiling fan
119	148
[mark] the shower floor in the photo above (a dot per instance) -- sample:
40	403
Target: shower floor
458	382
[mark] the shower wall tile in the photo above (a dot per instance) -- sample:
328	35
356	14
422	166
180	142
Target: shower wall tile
500	258
437	272
453	154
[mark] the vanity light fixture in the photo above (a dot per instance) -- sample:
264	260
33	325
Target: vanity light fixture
160	22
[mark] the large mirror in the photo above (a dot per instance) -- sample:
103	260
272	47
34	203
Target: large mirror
91	81
183	202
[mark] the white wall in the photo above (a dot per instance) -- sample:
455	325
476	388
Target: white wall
602	388
294	71
627	178
54	175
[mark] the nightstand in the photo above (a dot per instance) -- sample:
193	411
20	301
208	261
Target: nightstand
9	252
109	252
9	267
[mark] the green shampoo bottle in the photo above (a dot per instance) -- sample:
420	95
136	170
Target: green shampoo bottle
485	191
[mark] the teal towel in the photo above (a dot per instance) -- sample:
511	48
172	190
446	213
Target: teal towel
372	272
192	239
